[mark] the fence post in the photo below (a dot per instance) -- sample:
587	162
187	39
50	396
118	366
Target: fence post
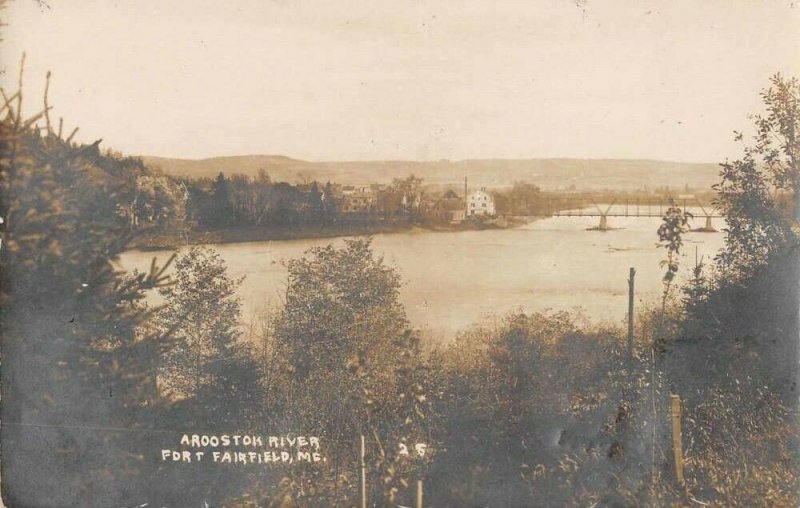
419	494
677	446
631	276
363	474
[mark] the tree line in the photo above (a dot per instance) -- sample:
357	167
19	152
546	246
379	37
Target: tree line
166	204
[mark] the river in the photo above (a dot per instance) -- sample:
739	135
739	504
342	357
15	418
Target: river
454	279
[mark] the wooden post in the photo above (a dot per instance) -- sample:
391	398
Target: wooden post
631	276
677	447
419	494
466	204
363	474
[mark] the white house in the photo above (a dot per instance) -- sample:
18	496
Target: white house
480	203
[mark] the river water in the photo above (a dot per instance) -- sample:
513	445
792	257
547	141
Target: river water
454	279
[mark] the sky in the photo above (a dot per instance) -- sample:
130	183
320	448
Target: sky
404	79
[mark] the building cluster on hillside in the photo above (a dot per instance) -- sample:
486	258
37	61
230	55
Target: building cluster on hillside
241	201
448	207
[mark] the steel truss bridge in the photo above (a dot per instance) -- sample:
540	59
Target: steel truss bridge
589	208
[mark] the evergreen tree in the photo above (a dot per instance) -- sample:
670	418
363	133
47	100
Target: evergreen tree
222	210
315	199
79	361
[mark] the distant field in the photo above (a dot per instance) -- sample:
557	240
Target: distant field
551	174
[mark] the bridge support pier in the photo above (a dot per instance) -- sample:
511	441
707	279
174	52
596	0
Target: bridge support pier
708	228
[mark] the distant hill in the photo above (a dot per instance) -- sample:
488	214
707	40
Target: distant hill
551	174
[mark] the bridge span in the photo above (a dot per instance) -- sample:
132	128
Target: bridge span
636	209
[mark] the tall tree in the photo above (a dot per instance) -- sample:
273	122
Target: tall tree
352	362
262	191
209	361
329	204
759	194
222	202
315	198
746	310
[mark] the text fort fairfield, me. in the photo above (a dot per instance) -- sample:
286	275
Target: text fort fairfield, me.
244	449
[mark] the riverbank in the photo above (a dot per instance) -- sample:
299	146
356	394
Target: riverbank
175	239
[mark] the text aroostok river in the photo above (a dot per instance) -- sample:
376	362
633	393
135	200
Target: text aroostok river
452	280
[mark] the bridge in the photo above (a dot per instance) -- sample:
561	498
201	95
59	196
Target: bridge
635	209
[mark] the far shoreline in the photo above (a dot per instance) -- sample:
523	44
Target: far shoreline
174	240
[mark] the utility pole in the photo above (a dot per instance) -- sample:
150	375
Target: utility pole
631	276
363	474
